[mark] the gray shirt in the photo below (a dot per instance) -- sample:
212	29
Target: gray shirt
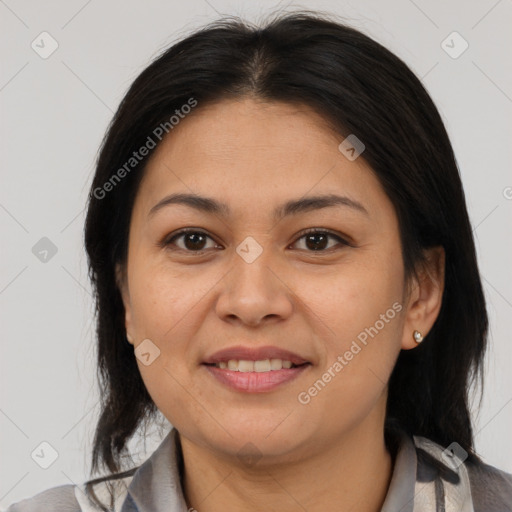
426	478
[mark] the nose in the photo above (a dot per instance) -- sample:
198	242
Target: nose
254	292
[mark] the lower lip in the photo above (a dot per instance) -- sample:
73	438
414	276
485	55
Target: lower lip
255	382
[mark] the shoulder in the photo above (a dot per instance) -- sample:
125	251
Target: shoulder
57	499
489	489
74	498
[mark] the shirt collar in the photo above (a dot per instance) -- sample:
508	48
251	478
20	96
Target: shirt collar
401	491
156	485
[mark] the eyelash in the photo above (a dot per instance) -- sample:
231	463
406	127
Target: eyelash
169	240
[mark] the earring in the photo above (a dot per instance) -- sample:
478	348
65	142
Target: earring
418	338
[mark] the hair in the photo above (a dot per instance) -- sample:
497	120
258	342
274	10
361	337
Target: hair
359	87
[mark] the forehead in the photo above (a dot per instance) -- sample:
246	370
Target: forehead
252	153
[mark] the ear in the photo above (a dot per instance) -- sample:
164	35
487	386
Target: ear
425	297
122	284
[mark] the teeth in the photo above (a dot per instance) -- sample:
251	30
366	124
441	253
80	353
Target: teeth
276	364
261	366
264	365
245	366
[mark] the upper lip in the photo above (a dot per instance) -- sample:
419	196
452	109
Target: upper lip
254	354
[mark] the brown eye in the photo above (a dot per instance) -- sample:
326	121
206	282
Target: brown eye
192	240
318	240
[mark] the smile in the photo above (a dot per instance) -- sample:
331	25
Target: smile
263	365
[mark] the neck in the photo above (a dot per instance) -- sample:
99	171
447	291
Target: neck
353	473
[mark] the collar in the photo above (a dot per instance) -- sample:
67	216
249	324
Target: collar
156	485
400	495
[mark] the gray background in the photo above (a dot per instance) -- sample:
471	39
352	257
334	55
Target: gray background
54	114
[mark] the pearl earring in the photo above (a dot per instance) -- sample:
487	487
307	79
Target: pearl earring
418	338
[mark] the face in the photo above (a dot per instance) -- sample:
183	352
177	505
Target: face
250	275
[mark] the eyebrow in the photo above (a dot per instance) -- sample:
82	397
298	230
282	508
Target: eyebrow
292	207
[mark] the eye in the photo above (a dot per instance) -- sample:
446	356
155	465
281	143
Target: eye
316	240
193	240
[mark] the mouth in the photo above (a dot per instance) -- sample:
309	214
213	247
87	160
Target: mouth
254	369
259	366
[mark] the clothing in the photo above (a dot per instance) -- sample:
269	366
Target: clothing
423	480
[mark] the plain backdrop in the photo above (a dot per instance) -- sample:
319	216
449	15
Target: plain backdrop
54	113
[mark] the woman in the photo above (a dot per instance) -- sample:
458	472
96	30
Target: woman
284	268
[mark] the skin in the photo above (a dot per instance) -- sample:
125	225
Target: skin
328	454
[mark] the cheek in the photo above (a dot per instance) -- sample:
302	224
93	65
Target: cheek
353	296
357	363
163	299
165	306
168	308
357	321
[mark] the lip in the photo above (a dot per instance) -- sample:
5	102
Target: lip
255	354
255	382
